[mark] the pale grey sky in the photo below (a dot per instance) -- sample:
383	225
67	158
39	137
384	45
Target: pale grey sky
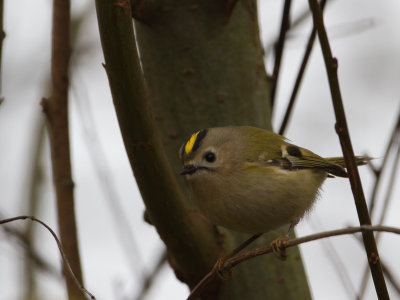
365	39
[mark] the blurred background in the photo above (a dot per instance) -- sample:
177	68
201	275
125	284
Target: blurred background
118	249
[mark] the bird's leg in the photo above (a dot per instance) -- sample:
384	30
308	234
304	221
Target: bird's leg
291	227
220	262
278	244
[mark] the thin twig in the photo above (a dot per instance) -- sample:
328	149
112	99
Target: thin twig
336	260
60	248
300	75
386	202
386	271
378	171
279	49
21	239
149	279
389	192
110	192
35	179
2	36
348	153
246	255
389	275
296	22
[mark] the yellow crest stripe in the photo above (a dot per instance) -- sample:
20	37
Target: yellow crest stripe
190	143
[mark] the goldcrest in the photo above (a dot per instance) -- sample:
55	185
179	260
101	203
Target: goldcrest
252	180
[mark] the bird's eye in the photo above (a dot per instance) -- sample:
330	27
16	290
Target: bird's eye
210	157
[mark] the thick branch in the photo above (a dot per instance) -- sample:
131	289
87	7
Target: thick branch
344	136
190	239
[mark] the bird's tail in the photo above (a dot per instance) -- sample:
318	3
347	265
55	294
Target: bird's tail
340	169
360	160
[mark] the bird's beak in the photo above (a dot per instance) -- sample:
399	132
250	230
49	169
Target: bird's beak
188	169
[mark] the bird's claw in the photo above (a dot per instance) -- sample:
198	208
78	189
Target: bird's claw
279	247
223	274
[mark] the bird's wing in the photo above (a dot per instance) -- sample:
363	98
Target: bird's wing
301	158
292	157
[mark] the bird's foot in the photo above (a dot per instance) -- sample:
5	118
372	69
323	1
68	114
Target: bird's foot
279	247
218	268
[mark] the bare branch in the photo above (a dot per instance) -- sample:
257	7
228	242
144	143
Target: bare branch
35	179
149	279
2	36
388	274
336	259
378	171
56	111
60	248
279	49
331	65
386	271
393	141
124	231
22	240
300	75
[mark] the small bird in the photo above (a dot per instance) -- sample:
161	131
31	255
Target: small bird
252	180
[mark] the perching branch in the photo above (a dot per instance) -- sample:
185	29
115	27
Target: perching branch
348	153
246	255
76	281
56	111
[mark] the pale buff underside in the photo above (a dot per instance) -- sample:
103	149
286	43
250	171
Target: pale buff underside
256	204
